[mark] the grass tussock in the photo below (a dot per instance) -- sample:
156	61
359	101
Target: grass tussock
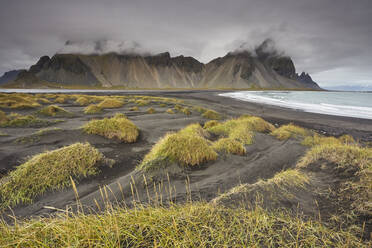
185	111
18	101
150	111
135	108
317	139
211	114
290	131
279	188
17	120
250	123
210	124
229	146
187	147
241	129
92	109
352	164
118	127
142	102
49	171
54	110
189	225
170	111
61	99
110	103
82	101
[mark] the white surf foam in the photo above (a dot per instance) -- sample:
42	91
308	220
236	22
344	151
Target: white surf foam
279	99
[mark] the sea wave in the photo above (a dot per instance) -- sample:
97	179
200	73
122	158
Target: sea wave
314	106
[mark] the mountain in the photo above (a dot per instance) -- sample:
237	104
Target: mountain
239	69
9	76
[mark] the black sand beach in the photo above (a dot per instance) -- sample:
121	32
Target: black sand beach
264	158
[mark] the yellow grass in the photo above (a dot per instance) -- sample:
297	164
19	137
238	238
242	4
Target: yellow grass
189	225
150	111
211	114
92	109
348	162
118	127
49	171
229	146
54	110
186	147
110	103
290	131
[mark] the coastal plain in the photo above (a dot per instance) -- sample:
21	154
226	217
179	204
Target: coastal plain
163	150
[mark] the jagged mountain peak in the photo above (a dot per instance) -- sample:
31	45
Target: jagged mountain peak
263	68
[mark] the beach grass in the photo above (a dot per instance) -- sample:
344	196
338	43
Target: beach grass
187	147
53	111
170	111
352	164
187	225
18	120
281	187
18	101
229	146
211	114
110	103
92	109
50	170
150	111
290	131
117	127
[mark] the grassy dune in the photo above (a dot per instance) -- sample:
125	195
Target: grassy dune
49	171
190	225
118	127
346	167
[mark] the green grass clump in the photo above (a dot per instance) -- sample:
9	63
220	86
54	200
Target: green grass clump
142	102
187	147
241	129
61	99
229	146
135	108
92	109
82	101
43	100
54	110
317	139
170	111
212	115
351	163
17	120
150	111
110	103
189	225
185	111
210	124
18	101
118	127
49	171
290	131
162	105
199	109
3	117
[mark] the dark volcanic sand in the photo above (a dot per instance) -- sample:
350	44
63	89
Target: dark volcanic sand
264	158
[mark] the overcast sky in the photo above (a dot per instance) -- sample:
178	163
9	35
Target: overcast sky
330	39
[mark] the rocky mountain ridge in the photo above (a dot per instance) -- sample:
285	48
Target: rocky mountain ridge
239	69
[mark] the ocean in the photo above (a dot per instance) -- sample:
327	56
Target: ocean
350	104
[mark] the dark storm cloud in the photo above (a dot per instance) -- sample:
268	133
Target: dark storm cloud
330	39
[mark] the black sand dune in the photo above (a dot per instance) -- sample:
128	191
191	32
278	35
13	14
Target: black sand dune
264	158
